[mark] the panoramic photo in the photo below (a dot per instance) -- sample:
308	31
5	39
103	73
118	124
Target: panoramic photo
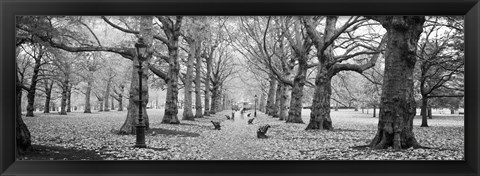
240	88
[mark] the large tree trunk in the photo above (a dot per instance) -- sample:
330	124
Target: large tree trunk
278	96
69	98
295	113
284	102
106	97
63	105
198	88
48	96
281	103
395	126
215	95
187	110
33	87
22	134
374	111
87	97
31	102
133	107
171	108
207	87
271	96
423	111
320	113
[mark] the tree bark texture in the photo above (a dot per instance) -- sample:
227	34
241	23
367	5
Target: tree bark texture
423	111
187	110
395	126
295	112
215	97
87	97
218	99
284	102
106	97
48	96
207	86
171	107
33	87
63	104
198	77
271	96
278	97
320	113
69	98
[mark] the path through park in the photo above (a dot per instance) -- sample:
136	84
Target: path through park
234	139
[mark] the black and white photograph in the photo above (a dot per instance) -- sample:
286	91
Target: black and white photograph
239	88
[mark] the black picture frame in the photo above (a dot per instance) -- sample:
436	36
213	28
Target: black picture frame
10	8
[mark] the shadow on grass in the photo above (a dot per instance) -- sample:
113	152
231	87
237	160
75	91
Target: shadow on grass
41	152
157	131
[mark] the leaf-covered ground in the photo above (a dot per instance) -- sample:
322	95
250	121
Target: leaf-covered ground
79	136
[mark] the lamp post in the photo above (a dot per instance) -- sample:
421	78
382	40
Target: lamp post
255	113
141	48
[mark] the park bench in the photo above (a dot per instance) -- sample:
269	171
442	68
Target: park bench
261	131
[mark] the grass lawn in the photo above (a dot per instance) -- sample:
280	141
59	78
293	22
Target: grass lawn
79	136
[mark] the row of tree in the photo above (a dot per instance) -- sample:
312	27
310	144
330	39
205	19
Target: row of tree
286	47
418	56
286	55
82	53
